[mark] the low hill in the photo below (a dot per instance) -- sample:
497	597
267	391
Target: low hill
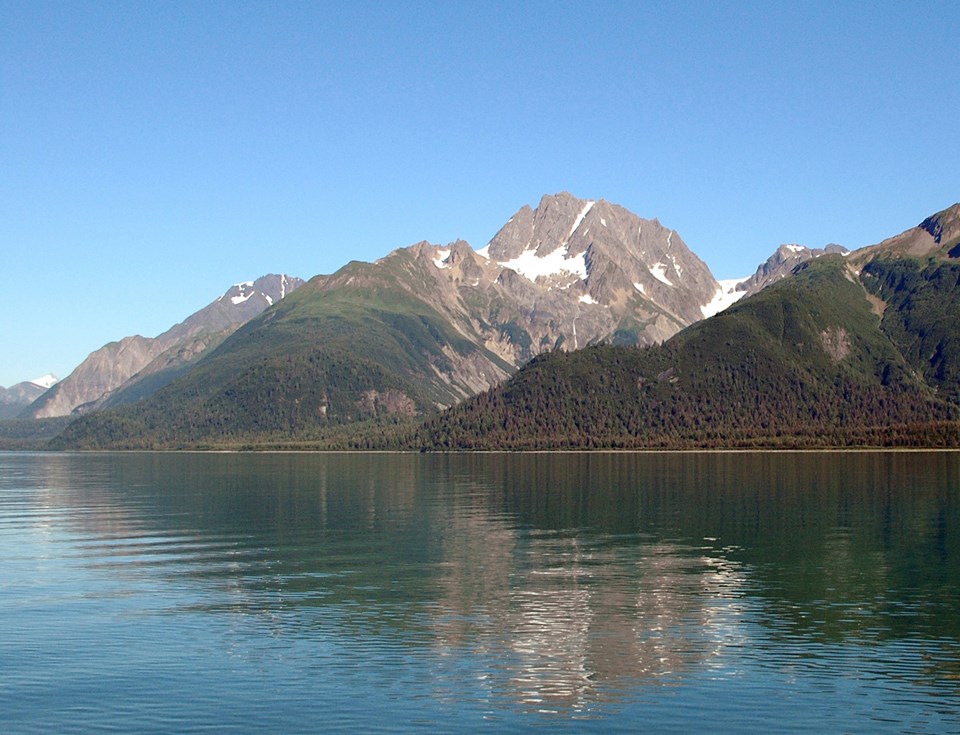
30	434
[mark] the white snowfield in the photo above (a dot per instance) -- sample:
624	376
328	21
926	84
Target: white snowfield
243	292
659	271
532	266
726	295
47	381
245	295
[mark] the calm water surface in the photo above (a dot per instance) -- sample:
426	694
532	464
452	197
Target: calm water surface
603	592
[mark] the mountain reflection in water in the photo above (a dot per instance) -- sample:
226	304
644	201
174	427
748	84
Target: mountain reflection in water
603	586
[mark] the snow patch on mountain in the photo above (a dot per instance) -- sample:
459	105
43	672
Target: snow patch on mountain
47	381
659	271
676	266
726	295
443	258
243	292
532	266
576	223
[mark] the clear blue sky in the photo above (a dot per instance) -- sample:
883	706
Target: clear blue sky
154	153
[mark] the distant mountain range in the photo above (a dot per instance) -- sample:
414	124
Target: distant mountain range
571	272
417	350
427	326
124	371
359	357
17	397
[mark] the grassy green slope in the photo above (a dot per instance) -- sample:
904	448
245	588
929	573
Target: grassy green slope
803	363
922	315
342	349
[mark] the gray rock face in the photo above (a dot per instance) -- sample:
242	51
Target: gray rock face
618	257
940	231
781	264
118	365
567	274
102	371
16	398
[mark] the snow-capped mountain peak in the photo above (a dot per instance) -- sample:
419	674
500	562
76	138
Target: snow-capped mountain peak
47	381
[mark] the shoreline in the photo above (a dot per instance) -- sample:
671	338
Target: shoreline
464	452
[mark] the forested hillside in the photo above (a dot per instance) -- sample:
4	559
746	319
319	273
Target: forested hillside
338	351
922	308
806	362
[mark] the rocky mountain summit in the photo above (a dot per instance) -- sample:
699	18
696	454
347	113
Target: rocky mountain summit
574	272
569	273
109	375
17	397
939	233
637	275
781	264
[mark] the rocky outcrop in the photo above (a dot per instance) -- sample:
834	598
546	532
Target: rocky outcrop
781	264
16	398
939	232
570	273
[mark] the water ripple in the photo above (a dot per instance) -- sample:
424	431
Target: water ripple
177	593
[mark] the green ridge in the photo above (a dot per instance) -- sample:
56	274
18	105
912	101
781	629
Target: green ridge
803	363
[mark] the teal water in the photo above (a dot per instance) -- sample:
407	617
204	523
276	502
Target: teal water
593	592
